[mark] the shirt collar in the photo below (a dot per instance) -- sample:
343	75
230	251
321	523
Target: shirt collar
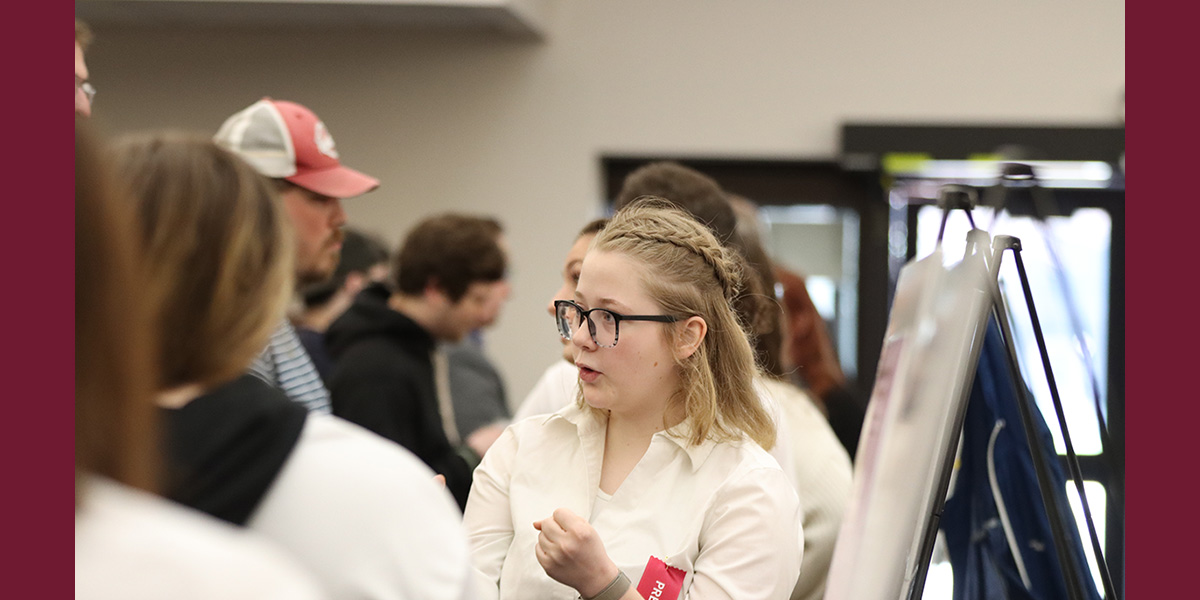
587	423
697	454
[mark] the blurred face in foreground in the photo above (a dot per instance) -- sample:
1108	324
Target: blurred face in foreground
83	102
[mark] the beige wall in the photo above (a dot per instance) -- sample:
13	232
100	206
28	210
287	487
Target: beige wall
454	120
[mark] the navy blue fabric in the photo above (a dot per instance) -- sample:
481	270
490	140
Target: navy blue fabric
314	345
981	558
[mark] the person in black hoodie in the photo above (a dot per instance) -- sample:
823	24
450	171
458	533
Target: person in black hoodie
389	375
364	260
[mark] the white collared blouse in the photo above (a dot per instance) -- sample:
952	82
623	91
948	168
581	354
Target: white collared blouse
724	512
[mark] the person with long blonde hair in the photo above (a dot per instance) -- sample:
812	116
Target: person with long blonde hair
656	479
130	544
359	512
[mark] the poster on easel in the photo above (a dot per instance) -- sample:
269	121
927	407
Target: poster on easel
930	351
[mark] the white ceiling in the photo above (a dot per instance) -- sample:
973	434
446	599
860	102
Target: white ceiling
516	18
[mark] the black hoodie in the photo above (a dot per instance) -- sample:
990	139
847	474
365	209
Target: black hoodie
225	448
383	380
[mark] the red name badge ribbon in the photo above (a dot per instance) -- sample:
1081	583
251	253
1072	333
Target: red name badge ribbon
660	581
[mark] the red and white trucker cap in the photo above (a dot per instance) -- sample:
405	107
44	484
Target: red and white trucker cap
284	140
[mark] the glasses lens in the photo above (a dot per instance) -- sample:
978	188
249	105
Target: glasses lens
604	328
568	317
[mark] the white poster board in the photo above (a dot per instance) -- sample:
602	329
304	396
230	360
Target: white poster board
928	360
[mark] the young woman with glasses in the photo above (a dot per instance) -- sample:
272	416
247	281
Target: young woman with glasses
656	478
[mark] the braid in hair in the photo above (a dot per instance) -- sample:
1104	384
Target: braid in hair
691	274
725	270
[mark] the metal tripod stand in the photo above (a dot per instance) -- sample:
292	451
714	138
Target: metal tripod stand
957	197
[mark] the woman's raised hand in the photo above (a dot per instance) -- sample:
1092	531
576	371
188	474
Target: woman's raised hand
572	553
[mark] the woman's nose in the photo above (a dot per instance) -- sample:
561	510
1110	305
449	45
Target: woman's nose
582	337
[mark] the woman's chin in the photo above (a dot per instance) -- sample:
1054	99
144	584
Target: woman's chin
595	399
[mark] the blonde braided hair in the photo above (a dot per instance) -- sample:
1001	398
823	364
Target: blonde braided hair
688	272
725	271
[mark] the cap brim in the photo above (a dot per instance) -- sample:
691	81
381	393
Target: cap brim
338	182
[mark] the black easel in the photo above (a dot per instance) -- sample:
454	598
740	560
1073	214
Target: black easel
960	197
1024	175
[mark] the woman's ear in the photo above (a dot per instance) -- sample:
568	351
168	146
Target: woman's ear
691	335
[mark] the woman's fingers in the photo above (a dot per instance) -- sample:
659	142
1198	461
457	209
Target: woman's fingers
543	557
551	529
566	519
571	552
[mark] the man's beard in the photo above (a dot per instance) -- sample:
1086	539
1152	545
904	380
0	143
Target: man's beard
309	277
312	276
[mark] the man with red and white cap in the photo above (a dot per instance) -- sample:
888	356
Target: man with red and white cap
288	143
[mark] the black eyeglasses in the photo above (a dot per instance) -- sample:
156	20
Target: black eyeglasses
605	325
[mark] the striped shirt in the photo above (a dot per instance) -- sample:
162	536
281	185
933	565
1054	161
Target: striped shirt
285	365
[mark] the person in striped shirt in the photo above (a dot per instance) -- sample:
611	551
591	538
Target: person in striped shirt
286	142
